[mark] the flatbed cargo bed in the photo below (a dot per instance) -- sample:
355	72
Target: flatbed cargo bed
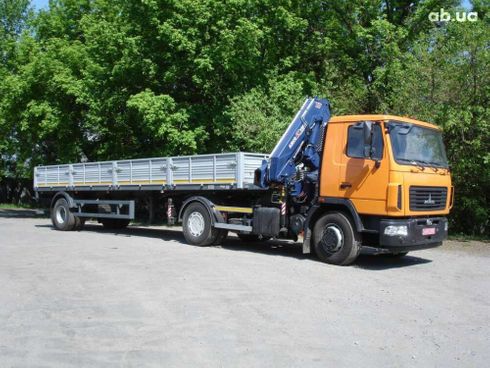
222	171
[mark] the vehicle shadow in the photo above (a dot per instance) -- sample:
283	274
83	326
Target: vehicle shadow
366	260
272	247
280	248
379	262
132	231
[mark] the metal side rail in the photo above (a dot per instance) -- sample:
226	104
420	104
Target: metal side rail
119	209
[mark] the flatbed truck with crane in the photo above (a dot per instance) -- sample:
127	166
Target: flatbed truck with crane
339	183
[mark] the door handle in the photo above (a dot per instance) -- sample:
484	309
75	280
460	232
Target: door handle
345	185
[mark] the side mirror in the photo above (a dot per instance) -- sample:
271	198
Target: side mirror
367	130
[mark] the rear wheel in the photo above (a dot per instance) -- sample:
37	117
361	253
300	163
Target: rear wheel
335	240
61	216
197	226
115	224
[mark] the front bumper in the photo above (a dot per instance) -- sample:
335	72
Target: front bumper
415	238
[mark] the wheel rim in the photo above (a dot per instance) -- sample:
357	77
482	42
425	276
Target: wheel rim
332	238
61	215
195	223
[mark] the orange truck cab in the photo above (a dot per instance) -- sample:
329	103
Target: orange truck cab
396	190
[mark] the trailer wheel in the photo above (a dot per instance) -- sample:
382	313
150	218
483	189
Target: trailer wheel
197	226
115	224
61	216
335	240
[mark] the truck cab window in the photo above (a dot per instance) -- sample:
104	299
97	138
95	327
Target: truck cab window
355	142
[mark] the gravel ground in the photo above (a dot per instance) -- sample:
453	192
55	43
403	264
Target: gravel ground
142	298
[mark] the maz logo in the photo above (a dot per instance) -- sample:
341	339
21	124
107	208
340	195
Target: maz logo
430	200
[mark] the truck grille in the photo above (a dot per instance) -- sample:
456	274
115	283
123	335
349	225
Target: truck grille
427	198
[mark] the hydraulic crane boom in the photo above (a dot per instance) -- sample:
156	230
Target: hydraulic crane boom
297	154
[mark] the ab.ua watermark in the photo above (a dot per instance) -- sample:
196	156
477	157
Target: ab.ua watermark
459	16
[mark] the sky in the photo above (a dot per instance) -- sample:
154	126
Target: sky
42	4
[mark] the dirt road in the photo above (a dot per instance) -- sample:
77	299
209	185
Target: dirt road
142	298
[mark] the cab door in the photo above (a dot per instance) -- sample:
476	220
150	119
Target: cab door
364	180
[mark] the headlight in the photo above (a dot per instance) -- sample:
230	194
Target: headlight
394	230
445	226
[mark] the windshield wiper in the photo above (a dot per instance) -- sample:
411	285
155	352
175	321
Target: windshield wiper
412	162
420	163
436	164
432	164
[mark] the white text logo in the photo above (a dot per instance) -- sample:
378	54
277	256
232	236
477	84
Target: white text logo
459	16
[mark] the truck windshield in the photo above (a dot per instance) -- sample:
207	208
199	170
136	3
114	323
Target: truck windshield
417	145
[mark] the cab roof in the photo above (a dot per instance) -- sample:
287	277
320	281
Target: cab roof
374	117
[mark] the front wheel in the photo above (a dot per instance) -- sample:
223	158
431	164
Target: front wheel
335	240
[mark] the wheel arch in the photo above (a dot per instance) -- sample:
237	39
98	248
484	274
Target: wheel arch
64	195
214	214
341	205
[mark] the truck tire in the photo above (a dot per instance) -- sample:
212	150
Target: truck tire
252	237
61	216
197	226
334	239
115	224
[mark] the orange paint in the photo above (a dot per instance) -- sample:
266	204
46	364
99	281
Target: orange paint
374	190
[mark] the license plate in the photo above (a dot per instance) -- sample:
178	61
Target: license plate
429	231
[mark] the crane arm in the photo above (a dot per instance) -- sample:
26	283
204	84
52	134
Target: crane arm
301	143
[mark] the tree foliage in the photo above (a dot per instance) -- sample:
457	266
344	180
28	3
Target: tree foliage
102	79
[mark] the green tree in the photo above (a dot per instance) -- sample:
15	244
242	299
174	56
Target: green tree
14	17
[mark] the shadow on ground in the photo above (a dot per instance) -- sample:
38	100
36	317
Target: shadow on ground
383	262
281	248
